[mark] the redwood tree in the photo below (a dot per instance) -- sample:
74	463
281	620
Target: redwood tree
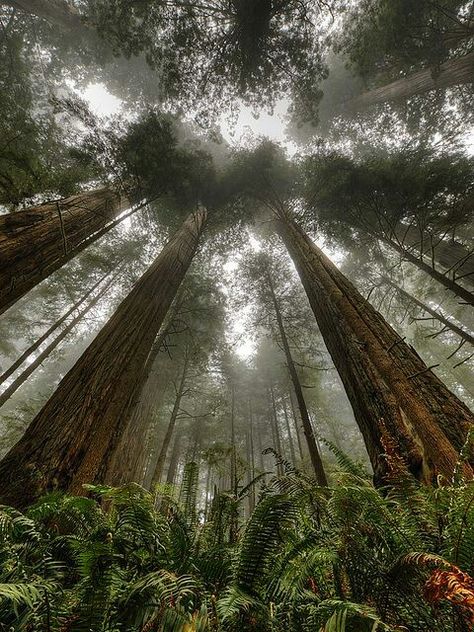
72	437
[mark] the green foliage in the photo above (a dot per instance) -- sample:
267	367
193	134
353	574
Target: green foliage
346	559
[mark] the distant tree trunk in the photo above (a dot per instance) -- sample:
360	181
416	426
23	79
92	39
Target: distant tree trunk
276	431
307	429
393	393
38	240
58	12
288	431
454	72
39	341
442	278
233	454
128	461
160	464
72	437
447	324
451	255
251	460
174	460
54	344
297	426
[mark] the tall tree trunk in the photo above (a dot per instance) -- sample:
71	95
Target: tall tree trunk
41	357
447	324
393	393
307	428
174	460
72	437
420	263
58	12
38	240
160	464
251	460
39	341
454	72
127	462
451	255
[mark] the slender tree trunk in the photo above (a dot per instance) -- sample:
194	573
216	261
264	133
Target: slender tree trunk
58	12
393	393
39	341
296	424
276	430
233	454
454	72
451	255
127	462
72	437
442	278
251	460
38	240
447	324
288	431
54	344
160	464
174	460
307	428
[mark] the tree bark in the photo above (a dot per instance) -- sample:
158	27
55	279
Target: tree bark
71	439
38	240
307	428
297	427
57	12
37	343
276	431
454	72
41	357
393	393
160	464
127	464
288	431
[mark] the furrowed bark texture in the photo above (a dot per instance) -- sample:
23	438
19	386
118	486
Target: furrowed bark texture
454	72
58	12
71	439
128	461
392	392
37	241
315	456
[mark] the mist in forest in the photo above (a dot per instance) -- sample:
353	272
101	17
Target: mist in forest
236	315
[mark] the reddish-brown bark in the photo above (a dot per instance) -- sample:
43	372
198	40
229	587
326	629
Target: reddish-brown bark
71	439
38	240
391	390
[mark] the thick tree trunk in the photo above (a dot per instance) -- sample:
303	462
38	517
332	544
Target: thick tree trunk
307	428
37	241
57	12
54	344
420	263
37	343
160	464
72	437
454	72
447	324
452	256
128	461
394	395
